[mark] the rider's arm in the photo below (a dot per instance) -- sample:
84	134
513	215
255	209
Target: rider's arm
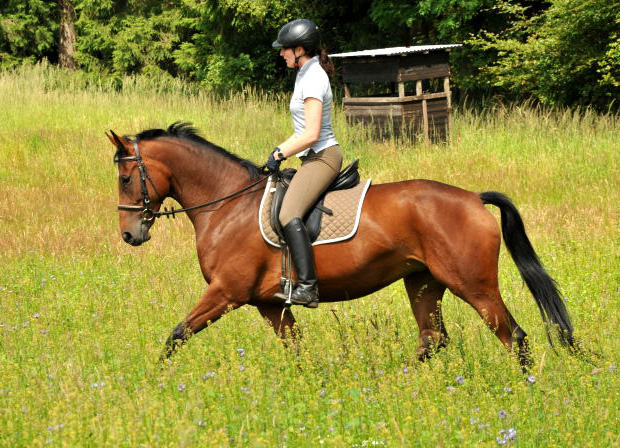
313	113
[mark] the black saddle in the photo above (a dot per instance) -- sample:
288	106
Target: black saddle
348	178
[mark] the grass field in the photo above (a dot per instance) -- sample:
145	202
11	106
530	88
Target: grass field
83	316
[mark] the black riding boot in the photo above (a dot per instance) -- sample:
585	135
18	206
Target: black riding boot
306	290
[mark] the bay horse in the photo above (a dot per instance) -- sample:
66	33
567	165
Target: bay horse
432	235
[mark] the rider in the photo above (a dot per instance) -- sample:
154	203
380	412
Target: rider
313	142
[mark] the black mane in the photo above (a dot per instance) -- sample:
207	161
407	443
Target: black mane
188	132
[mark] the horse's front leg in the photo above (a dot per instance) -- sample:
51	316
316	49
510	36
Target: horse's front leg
213	304
281	320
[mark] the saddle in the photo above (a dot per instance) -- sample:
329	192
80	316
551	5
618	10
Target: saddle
349	177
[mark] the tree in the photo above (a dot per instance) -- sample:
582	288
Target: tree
66	45
566	55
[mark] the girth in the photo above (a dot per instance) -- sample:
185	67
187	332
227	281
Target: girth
347	178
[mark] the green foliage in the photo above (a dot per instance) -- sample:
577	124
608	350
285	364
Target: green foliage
562	52
28	30
566	55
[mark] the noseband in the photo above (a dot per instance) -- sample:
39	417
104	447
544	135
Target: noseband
149	215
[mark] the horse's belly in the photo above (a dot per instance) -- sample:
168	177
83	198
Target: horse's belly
365	281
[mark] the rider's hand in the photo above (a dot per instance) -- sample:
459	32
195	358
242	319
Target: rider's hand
273	164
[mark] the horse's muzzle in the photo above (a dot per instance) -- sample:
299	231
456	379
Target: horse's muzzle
136	240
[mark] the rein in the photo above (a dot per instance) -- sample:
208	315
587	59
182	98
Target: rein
149	215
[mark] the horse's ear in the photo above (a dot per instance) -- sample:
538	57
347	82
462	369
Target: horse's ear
120	143
115	139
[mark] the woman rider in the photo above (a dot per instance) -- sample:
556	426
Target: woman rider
313	142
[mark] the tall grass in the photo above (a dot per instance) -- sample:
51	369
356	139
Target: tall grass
83	316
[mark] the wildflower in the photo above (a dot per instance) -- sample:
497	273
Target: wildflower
459	379
502	414
510	434
241	368
473	420
208	375
241	352
405	370
201	422
501	441
508	390
36	315
181	387
322	392
531	379
450	388
612	368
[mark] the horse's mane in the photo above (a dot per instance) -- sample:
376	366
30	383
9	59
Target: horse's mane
188	132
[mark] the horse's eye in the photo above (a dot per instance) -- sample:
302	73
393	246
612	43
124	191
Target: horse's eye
125	179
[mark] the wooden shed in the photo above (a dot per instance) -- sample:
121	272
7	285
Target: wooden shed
418	83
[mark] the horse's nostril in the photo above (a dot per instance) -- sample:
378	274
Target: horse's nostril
127	237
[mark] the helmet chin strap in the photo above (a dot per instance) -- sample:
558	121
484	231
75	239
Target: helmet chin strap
297	59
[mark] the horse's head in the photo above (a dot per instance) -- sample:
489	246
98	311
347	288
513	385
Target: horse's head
143	184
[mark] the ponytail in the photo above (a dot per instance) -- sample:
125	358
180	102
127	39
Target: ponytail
326	63
324	60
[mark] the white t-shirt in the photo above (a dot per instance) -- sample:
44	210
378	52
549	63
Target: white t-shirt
313	82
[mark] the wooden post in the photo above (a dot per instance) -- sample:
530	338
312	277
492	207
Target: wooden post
347	92
401	89
419	92
446	89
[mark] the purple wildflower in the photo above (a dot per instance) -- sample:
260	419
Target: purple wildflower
36	315
502	414
510	434
208	375
508	390
241	352
181	387
241	368
459	379
531	379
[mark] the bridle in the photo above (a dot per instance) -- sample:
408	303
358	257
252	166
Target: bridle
149	215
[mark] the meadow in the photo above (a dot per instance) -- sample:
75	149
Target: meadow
83	316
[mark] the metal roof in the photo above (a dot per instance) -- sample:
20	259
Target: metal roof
394	51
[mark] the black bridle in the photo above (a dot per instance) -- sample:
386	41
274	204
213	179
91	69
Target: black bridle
149	215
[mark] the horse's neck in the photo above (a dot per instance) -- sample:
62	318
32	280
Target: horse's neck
198	179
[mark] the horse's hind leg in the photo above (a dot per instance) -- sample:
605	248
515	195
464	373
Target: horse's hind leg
492	309
425	294
477	284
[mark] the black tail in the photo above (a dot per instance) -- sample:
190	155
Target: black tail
541	285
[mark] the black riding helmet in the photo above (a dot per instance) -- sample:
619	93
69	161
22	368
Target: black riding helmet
298	33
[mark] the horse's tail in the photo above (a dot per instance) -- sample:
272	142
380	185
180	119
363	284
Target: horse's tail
541	285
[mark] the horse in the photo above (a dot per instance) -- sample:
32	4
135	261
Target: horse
432	235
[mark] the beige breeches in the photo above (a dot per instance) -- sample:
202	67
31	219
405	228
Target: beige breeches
317	172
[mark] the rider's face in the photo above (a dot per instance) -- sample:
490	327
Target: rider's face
289	55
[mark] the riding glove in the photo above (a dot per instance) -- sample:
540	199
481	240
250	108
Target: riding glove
272	164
